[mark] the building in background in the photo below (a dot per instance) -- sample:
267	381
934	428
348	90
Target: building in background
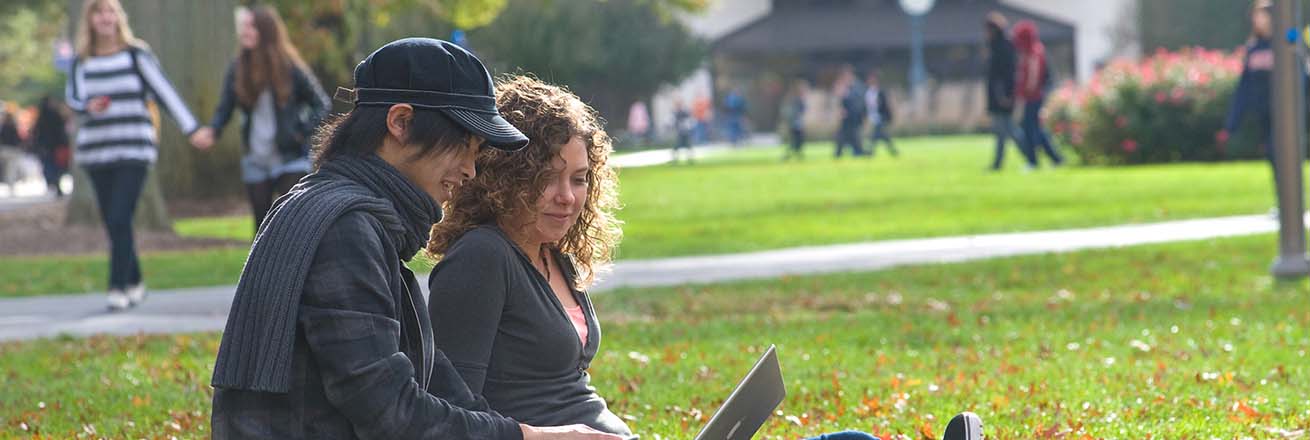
759	46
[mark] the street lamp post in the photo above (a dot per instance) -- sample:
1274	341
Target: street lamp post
1289	119
916	9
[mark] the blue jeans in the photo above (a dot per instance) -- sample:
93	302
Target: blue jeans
1003	128
845	435
117	189
1033	134
848	134
879	132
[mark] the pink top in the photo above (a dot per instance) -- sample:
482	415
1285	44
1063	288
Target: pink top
579	322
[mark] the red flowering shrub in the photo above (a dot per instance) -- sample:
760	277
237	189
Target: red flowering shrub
1165	108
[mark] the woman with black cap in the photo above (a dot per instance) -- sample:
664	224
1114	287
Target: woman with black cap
326	337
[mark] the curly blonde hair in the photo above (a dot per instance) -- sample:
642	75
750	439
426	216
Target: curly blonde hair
509	184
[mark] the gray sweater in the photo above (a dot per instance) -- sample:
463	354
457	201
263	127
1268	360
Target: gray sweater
499	322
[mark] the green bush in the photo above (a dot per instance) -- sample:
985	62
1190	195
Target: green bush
1165	108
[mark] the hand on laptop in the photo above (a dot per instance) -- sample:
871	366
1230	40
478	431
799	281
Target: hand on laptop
570	432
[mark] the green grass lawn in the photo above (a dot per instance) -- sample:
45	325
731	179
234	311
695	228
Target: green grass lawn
27	276
1185	340
749	200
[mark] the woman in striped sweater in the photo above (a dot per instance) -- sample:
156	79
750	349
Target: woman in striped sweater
111	80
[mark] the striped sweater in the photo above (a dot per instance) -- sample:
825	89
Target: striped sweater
124	132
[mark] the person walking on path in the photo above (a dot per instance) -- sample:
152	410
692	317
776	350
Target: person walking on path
11	148
110	82
853	113
50	143
1000	89
281	103
703	112
734	112
793	111
1033	78
639	123
880	115
1253	87
683	125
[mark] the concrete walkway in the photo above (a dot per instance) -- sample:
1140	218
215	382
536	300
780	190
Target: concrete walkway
205	309
663	156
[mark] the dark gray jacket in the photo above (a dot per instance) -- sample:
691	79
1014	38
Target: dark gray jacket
296	120
360	368
1000	75
509	336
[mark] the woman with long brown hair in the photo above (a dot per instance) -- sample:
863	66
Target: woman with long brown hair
113	77
281	102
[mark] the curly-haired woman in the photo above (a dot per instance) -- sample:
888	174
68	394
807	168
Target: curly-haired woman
518	247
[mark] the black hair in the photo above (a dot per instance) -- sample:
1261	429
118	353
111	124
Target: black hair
362	130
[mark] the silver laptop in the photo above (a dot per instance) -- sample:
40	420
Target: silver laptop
750	404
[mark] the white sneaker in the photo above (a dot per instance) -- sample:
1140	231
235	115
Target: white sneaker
118	300
136	294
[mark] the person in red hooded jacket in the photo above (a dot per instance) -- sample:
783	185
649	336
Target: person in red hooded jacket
1033	77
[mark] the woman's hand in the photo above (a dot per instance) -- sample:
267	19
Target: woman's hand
203	138
98	104
570	432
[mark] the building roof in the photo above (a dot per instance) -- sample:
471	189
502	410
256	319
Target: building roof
874	24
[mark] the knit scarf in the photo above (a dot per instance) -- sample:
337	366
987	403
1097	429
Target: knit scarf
260	335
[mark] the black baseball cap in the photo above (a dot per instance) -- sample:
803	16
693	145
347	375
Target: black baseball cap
434	74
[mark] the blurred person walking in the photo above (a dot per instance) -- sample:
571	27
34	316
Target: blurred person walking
683	124
50	143
702	112
1252	96
639	123
1033	78
880	115
734	113
1000	90
281	104
11	149
853	112
9	136
110	82
793	112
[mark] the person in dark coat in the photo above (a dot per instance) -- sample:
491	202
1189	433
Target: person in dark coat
683	124
9	136
326	337
853	112
1253	88
793	110
879	113
50	143
1000	89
